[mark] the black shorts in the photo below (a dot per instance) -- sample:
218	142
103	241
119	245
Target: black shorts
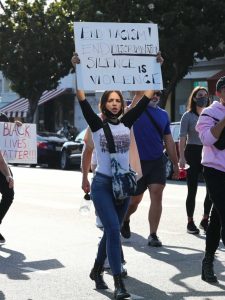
154	171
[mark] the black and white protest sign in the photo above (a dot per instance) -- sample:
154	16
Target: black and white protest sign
119	56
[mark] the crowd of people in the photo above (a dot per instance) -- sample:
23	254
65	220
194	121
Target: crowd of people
140	132
147	127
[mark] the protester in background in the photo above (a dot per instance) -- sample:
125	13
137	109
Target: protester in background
190	148
211	129
70	132
111	215
6	183
151	133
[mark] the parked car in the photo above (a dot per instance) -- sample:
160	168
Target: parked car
49	147
71	152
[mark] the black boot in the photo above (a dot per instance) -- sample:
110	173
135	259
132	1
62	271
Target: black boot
120	291
97	275
207	268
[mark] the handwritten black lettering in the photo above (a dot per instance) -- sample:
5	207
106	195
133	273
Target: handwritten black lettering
128	34
110	62
138	50
91	34
120	79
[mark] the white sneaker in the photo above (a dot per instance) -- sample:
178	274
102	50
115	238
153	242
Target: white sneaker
106	264
123	271
98	222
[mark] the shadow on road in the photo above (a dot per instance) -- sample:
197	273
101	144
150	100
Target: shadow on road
13	265
187	262
147	291
2	296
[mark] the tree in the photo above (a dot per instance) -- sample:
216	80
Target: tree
188	29
35	48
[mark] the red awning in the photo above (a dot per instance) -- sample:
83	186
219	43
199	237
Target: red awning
217	75
213	80
19	107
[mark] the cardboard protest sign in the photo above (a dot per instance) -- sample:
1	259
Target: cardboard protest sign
119	56
18	144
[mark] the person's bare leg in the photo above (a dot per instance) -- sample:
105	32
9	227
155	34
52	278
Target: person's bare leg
155	210
125	229
134	202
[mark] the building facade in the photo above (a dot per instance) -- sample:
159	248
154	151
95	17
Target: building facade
204	73
6	94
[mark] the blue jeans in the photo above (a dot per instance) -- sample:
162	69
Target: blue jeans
112	216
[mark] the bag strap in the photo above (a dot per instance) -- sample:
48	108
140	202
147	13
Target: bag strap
109	137
210	117
154	123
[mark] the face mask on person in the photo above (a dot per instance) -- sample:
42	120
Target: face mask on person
202	101
154	103
110	115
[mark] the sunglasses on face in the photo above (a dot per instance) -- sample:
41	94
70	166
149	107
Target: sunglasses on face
202	95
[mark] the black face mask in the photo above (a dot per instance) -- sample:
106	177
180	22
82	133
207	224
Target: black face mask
110	115
202	101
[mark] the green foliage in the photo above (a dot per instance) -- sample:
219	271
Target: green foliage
36	43
188	29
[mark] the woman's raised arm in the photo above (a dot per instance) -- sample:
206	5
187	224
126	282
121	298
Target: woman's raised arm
76	60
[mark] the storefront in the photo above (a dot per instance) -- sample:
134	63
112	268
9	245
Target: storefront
54	107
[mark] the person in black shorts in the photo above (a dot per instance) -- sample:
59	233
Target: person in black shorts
152	131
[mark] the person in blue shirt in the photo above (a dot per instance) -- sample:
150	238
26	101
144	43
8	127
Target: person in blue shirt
152	132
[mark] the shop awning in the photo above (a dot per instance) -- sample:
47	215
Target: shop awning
213	80
19	107
217	75
201	74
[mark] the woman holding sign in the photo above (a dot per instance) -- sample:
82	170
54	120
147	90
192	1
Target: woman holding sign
112	108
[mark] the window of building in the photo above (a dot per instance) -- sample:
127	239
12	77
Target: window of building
201	83
6	85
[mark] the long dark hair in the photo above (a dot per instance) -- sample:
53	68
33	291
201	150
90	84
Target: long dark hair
105	97
191	106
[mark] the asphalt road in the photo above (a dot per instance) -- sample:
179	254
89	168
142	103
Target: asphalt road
50	247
